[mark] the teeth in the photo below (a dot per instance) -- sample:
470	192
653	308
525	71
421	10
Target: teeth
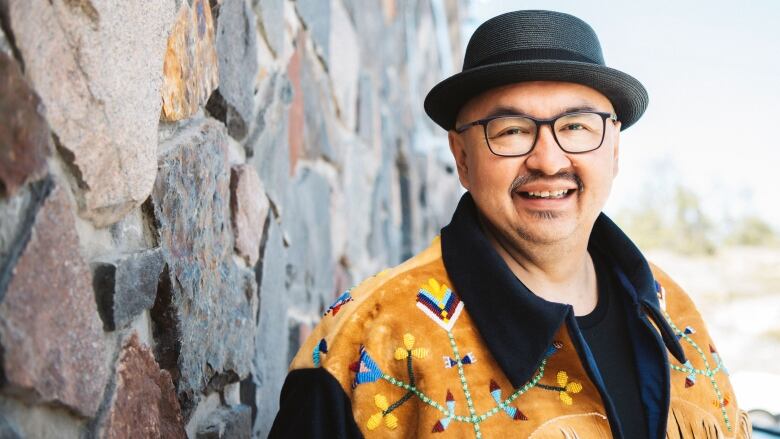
548	194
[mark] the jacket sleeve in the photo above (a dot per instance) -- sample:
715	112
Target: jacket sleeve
313	405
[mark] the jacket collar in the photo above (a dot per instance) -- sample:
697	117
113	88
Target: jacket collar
518	326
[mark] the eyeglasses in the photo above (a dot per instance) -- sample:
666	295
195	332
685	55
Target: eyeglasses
513	136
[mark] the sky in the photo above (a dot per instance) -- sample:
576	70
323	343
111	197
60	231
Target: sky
712	71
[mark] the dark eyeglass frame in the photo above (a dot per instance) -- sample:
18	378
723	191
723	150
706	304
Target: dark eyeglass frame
539	123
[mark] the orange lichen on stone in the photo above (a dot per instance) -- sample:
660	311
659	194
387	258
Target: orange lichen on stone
190	70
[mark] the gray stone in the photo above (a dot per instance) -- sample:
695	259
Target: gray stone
307	223
249	209
209	303
271	14
7	429
5	46
316	16
24	133
144	402
317	109
101	92
270	362
233	101
52	341
228	423
366	113
343	63
126	286
267	144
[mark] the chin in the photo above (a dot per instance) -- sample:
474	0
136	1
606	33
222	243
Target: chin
547	228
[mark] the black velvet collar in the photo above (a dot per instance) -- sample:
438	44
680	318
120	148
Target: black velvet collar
518	326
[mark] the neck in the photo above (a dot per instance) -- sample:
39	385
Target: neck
560	272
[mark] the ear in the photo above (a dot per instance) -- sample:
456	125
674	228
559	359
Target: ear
616	150
458	149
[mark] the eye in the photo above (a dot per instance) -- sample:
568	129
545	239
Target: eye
574	127
512	131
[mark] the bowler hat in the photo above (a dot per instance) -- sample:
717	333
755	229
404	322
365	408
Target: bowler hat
534	46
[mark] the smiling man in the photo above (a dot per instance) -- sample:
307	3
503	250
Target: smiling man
533	315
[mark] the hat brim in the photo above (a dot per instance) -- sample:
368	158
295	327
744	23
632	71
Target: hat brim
627	95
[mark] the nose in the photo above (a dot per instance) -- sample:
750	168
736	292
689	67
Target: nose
547	157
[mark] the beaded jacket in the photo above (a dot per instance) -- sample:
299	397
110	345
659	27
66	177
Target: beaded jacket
432	348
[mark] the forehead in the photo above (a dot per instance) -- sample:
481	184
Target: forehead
537	98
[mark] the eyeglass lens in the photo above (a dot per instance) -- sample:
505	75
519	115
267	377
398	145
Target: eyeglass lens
515	135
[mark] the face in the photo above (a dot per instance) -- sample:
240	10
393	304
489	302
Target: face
507	190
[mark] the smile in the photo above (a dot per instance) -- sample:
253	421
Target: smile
563	193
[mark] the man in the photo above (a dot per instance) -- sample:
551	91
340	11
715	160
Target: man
533	315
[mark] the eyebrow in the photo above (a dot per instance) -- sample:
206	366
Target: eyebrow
508	110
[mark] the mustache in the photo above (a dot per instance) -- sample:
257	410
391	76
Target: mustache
534	176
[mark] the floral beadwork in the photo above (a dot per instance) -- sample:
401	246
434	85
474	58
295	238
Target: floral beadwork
564	388
439	303
409	349
512	412
691	372
342	300
391	421
448	407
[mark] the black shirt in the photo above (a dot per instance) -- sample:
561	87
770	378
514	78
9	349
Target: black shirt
605	330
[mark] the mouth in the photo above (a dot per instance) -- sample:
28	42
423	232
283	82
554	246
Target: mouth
547	195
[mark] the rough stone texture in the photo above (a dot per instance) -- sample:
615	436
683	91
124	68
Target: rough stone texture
24	134
316	18
52	341
8	430
233	101
210	296
344	63
228	423
287	156
126	286
144	402
249	207
310	265
267	144
81	61
270	363
191	68
271	19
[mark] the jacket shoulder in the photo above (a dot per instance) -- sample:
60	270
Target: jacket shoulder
336	341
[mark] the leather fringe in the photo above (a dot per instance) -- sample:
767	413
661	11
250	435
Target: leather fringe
681	426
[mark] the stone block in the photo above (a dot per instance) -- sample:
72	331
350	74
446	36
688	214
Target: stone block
316	17
267	144
144	401
126	286
307	223
271	18
249	207
344	63
270	363
209	307
319	112
233	102
24	133
227	423
7	429
98	71
51	335
191	69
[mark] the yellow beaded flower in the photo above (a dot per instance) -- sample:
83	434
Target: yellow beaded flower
567	387
391	421
409	349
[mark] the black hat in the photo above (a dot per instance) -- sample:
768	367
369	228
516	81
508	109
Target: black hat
534	46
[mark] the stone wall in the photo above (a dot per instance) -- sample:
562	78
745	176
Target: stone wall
186	185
